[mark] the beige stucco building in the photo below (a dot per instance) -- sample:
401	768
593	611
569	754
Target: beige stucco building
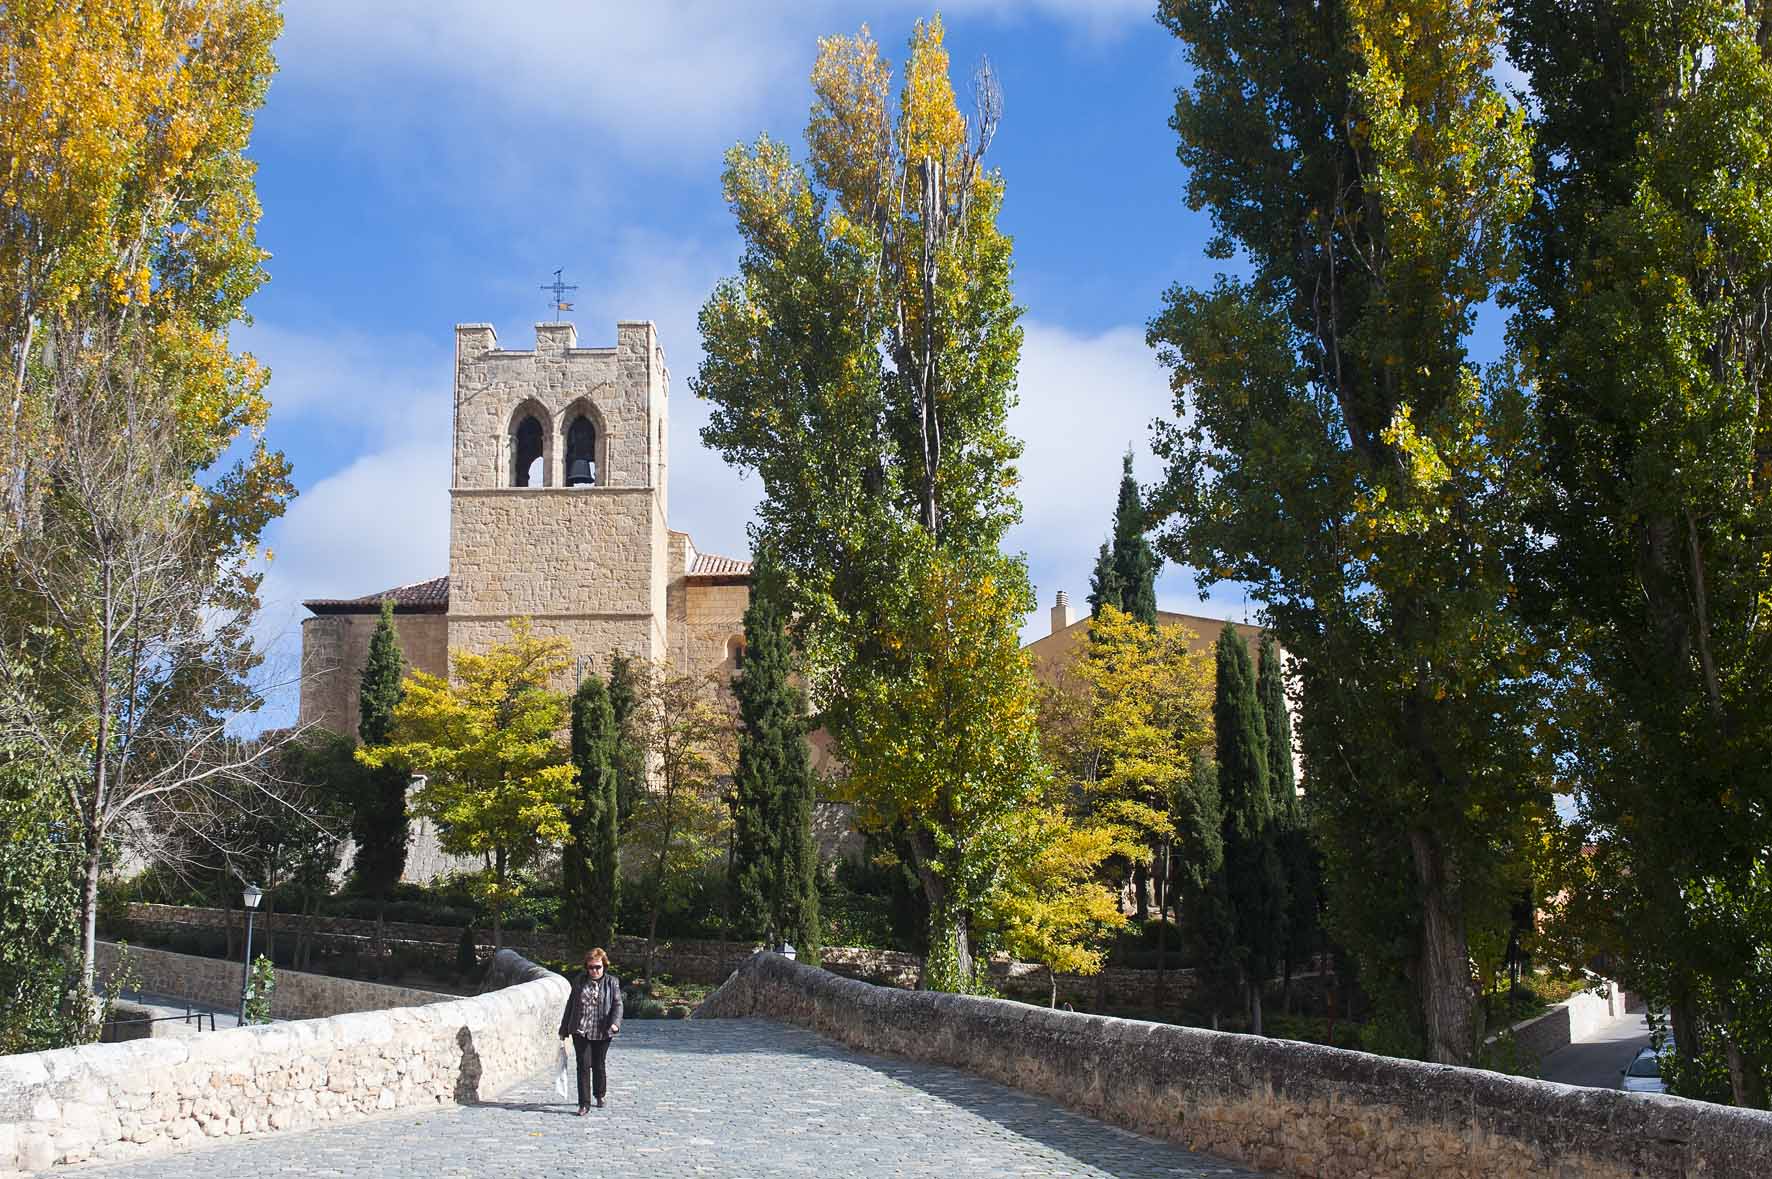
559	497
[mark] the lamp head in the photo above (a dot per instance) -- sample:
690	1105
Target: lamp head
252	895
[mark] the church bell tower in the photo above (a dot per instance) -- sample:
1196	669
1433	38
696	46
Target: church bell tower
557	496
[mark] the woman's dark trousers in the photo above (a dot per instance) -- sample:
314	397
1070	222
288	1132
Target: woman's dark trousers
593	1068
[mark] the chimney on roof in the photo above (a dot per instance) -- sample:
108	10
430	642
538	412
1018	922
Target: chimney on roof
1061	613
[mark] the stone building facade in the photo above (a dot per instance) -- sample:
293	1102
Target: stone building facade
558	512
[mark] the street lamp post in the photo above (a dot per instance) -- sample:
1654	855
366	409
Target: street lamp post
251	898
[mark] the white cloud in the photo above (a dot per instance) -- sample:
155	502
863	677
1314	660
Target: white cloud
1084	400
670	79
371	386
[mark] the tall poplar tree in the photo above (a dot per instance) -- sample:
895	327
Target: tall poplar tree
128	247
1646	271
1334	450
1254	880
589	862
774	862
379	823
863	364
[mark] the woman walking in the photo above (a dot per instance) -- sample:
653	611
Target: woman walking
592	1018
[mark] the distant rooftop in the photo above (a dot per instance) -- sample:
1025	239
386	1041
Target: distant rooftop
421	597
708	565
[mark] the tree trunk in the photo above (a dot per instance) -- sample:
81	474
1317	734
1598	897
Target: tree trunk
1160	879
1444	976
1052	978
89	913
1141	876
498	904
1255	1028
945	926
1685	1030
1747	1086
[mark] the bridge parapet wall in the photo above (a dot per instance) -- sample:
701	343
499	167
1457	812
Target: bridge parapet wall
1299	1109
121	1101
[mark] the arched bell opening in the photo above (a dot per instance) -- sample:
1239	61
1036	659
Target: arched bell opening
581	452
526	453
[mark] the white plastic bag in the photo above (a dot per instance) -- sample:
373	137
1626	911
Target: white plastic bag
563	1080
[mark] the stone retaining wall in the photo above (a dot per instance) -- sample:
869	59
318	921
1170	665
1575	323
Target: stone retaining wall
1300	1109
1571	1020
702	960
215	983
122	1101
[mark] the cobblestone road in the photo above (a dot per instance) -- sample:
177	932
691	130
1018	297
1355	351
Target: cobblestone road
720	1097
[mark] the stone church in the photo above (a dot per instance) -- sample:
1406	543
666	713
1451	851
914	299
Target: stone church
558	511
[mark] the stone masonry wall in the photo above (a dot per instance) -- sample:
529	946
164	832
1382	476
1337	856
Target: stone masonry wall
587	563
298	995
114	1102
335	648
704	960
1568	1021
1300	1109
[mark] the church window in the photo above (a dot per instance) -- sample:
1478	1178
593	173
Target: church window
735	653
581	452
526	453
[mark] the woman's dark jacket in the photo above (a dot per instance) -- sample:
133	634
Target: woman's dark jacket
611	1003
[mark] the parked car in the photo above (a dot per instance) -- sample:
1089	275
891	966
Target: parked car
1644	1074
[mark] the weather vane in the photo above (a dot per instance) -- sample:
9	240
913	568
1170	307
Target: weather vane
559	289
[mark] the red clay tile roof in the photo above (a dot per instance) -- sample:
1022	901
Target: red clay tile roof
421	597
708	565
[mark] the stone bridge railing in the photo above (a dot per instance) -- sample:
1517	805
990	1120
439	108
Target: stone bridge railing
1300	1109
120	1101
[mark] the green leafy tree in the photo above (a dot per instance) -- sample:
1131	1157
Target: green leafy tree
499	784
1334	450
1646	265
39	911
774	862
590	873
679	823
1056	911
862	364
379	824
1254	877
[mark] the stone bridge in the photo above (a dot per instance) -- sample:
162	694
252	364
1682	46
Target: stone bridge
794	1071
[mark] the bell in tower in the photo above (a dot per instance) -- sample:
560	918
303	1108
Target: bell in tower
581	453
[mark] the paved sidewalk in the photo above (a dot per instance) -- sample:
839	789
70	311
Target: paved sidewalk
719	1097
1599	1060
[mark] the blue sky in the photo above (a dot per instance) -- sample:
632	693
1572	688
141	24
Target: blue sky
429	162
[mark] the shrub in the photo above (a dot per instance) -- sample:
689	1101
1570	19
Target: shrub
260	984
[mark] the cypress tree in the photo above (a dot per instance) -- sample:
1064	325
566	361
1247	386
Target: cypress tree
1135	564
378	821
1255	885
588	863
1297	859
630	759
775	862
1104	583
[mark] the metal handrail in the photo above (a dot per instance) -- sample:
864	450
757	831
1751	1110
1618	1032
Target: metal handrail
199	1016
